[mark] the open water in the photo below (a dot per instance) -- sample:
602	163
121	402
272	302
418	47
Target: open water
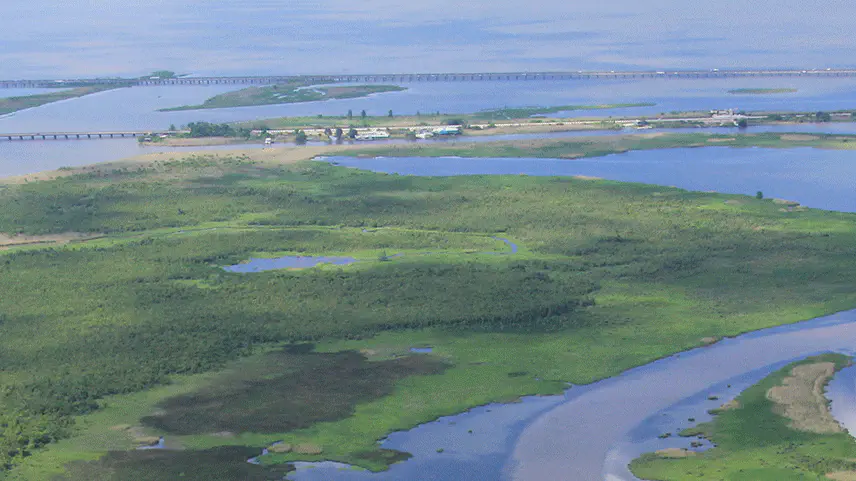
77	38
812	177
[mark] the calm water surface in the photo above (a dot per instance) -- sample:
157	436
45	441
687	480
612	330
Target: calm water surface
50	39
813	177
287	262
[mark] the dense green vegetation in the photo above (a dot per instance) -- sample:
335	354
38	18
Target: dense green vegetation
293	92
606	278
14	104
207	129
763	91
754	442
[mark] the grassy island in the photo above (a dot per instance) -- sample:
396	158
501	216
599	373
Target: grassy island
294	92
119	327
763	91
778	430
14	104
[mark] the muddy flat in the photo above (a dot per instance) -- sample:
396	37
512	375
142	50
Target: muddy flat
800	398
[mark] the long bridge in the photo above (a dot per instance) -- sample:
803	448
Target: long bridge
83	135
435	77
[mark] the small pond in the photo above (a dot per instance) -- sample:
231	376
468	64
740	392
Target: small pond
287	262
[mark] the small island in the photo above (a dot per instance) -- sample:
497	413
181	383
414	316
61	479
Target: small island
780	428
762	91
293	92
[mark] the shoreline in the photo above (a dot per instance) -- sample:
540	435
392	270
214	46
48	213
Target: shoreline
545	147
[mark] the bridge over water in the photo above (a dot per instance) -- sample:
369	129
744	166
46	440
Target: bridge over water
83	135
436	77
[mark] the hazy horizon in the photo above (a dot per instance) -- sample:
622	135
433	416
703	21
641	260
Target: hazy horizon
88	38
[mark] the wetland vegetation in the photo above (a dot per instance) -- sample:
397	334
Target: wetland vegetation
779	429
292	92
107	338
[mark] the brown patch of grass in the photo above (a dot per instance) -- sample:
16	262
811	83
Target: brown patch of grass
281	448
800	398
799	137
676	453
308	449
842	476
7	241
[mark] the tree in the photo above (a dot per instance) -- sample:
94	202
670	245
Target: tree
822	117
207	129
363	114
759	195
339	132
172	128
352	133
350	114
300	137
389	114
742	123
